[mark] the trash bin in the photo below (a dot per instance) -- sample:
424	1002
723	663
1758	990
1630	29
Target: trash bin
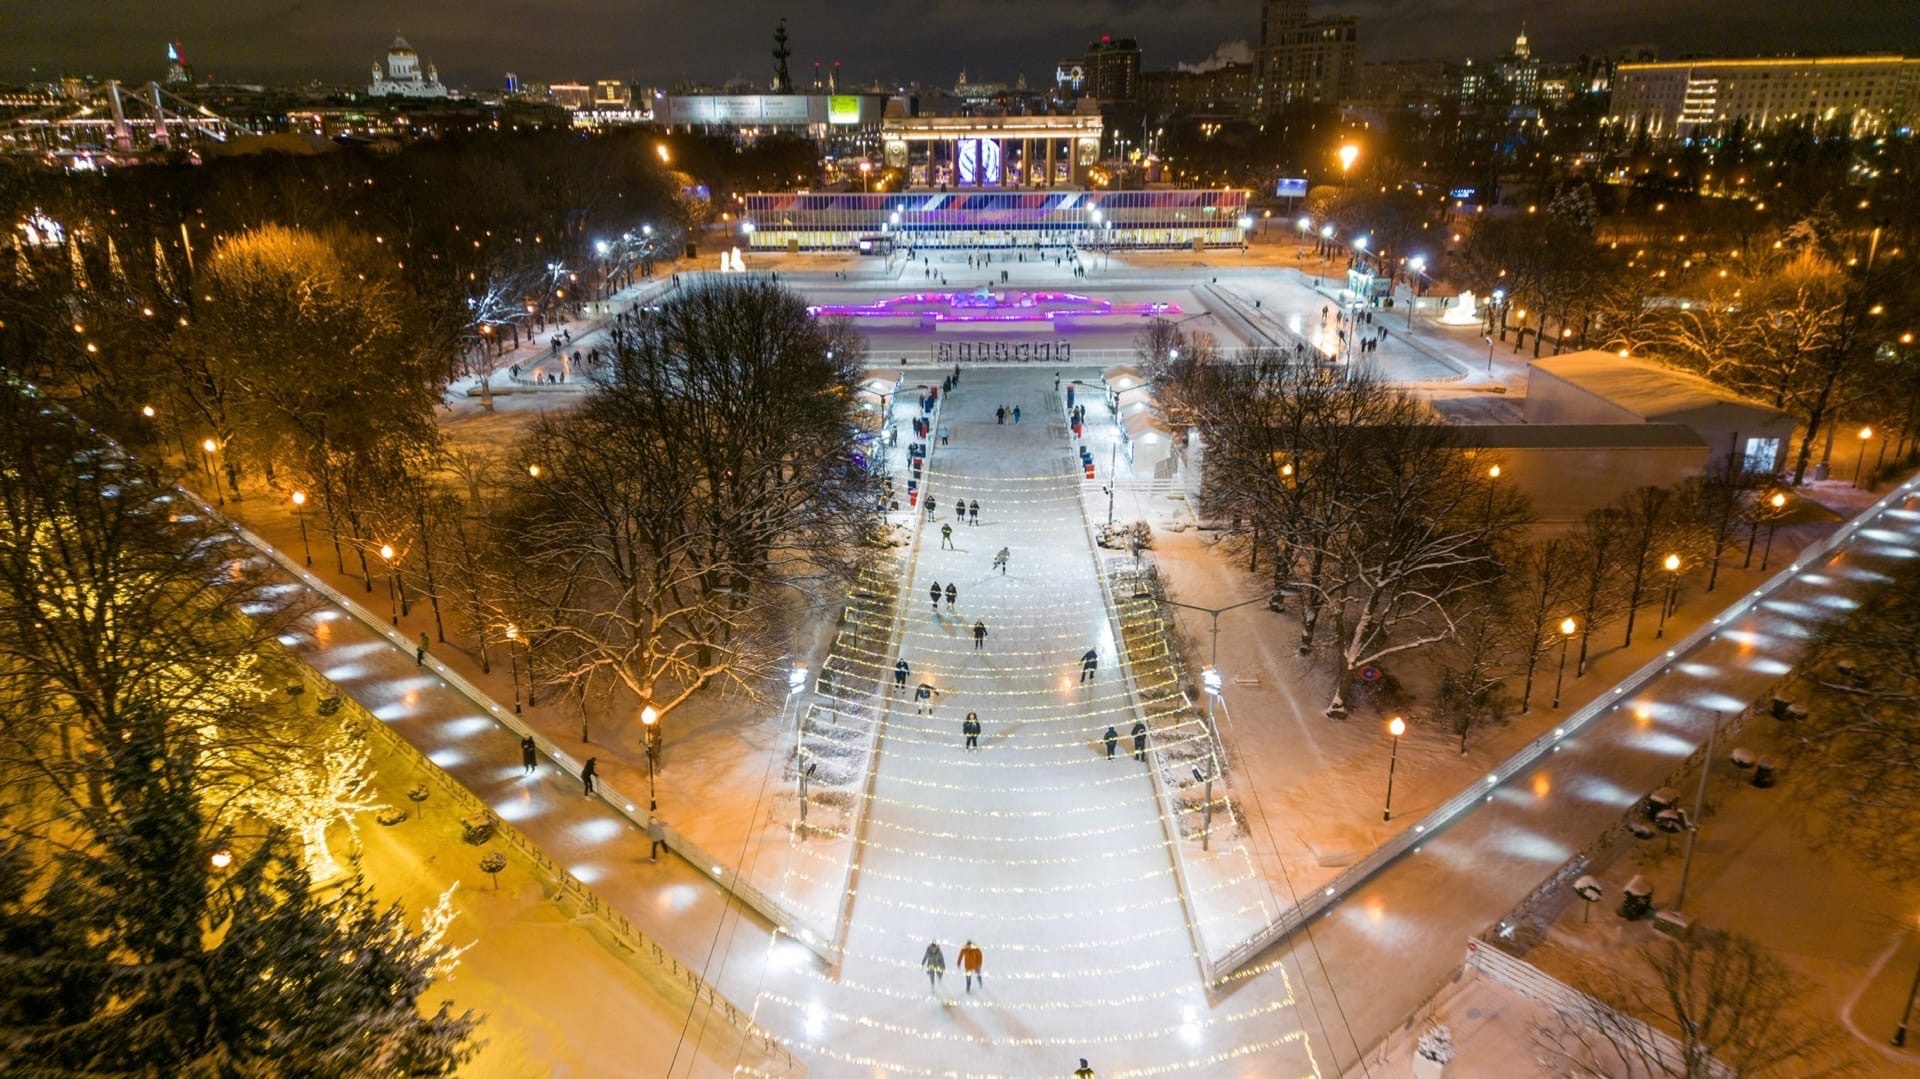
1763	774
1636	899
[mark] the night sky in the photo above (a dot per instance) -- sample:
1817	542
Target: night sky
655	42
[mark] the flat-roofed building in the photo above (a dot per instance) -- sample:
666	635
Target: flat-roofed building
1864	95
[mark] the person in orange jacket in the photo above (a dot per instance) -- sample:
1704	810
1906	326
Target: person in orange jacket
970	960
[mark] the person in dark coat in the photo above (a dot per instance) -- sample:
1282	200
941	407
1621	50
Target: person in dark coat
935	964
900	672
971	728
1000	415
946	539
529	755
973	512
1139	741
930	507
953	596
923	699
979	635
1000	561
1112	738
933	593
587	772
1089	663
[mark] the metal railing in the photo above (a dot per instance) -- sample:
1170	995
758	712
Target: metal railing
1573	1006
1391	850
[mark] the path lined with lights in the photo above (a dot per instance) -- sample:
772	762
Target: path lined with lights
1414	915
1035	846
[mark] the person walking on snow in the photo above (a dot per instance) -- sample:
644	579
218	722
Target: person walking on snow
1089	663
1139	741
935	964
1000	415
946	537
973	512
971	728
930	507
933	593
970	960
900	672
1016	415
1000	561
953	596
1083	1071
923	699
529	755
979	635
1112	738
587	772
420	653
657	835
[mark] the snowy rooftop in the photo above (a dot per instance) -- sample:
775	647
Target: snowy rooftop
1645	388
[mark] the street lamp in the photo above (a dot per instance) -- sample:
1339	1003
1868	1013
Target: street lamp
1866	433
211	447
866	167
650	726
300	512
1672	565
1900	1035
1778	502
1326	242
386	554
661	149
1348	153
1206	804
513	663
1567	628
1418	266
1211	681
1396	727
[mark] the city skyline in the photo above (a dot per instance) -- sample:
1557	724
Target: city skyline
475	44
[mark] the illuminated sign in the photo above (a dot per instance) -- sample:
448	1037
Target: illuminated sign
843	109
1291	188
969	160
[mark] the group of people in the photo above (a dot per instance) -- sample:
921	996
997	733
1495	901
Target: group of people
934	962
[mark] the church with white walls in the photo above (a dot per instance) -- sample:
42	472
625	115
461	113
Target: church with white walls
404	76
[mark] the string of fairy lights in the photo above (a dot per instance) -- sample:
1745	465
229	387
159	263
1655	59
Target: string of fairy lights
945	827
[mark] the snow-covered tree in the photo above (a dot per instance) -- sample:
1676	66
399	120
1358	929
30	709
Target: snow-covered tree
321	786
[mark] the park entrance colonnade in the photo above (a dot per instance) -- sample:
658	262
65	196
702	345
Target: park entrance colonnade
985	152
884	224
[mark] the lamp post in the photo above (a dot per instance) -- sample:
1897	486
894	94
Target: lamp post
1520	334
1326	242
1493	474
393	601
513	663
1211	681
1866	434
1906	1016
1567	628
210	447
1206	805
1416	266
300	513
866	167
1396	727
650	729
1246	229
1348	154
1672	565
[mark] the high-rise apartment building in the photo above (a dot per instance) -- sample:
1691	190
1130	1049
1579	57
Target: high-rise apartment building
1863	95
1303	60
1113	69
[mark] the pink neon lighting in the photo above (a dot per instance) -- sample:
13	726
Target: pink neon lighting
985	306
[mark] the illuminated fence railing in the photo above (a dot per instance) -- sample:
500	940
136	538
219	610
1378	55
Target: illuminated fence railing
1450	810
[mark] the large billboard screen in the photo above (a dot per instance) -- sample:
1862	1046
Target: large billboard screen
740	109
843	109
1292	188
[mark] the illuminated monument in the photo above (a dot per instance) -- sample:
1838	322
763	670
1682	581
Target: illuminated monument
404	77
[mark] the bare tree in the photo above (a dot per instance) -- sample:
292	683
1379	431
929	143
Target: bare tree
1544	578
712	470
1725	1004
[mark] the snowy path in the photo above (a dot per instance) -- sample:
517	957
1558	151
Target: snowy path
1037	847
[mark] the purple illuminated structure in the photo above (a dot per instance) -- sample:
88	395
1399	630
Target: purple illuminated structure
983	305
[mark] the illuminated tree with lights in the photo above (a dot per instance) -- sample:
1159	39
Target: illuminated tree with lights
307	796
